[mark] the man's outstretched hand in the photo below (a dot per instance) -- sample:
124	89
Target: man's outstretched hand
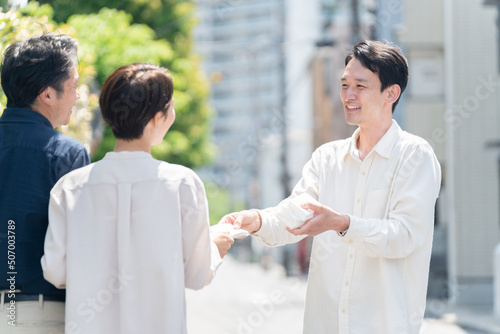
325	219
249	220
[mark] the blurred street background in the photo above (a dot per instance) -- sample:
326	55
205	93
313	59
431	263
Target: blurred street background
257	87
244	298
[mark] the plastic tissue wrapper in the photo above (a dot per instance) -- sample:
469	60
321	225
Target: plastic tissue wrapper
292	214
233	233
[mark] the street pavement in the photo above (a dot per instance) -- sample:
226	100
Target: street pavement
244	298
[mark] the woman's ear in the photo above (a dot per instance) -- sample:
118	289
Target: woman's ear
158	119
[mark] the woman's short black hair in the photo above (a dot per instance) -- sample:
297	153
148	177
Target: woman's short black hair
382	58
131	97
31	65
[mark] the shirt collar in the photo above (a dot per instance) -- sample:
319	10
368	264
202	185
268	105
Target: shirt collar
24	115
383	147
127	155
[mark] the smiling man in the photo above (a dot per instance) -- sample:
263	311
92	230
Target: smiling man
374	225
40	81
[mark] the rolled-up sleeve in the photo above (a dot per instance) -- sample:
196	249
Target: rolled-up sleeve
54	258
273	231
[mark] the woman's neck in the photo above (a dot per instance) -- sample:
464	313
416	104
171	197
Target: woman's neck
132	145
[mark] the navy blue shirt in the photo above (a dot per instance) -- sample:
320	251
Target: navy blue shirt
33	156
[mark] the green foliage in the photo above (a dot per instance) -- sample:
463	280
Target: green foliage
221	202
157	32
16	25
107	40
171	19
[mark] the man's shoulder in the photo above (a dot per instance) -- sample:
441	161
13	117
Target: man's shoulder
67	148
64	143
68	152
336	146
412	141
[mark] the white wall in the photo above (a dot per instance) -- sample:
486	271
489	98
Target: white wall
476	120
458	119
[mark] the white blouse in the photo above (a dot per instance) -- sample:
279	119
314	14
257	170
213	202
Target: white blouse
374	279
126	235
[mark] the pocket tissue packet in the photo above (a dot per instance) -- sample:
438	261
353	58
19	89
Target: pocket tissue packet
233	233
290	211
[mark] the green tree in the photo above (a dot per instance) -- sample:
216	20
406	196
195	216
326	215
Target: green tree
171	19
113	38
34	19
108	40
221	202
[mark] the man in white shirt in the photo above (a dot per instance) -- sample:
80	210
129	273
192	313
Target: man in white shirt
373	229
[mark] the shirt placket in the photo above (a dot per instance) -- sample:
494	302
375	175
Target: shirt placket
351	252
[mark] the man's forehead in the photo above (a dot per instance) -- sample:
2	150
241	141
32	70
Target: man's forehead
356	71
345	78
74	73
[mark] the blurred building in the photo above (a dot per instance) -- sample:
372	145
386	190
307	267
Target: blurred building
453	102
241	45
276	66
257	54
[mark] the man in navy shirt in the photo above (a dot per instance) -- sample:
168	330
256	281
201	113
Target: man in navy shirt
40	80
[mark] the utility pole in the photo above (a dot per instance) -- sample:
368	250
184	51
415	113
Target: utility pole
497	4
285	176
355	21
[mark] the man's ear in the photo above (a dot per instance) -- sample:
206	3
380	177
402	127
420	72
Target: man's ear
393	93
47	96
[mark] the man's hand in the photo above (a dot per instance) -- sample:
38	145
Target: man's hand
325	219
223	242
248	220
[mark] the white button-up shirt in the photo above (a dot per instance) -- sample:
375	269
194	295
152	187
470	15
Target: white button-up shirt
126	235
374	279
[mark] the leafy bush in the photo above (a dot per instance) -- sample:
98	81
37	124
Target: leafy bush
34	19
108	39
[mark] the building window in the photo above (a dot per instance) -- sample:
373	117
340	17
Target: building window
497	4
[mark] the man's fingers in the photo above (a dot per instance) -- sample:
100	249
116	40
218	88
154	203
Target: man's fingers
297	231
228	219
238	222
312	206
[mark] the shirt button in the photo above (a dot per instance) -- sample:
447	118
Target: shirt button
346	283
344	311
358	200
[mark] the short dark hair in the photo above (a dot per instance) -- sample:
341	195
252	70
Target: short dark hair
131	97
31	65
385	59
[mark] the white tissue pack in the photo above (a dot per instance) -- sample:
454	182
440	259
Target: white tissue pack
292	214
233	233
